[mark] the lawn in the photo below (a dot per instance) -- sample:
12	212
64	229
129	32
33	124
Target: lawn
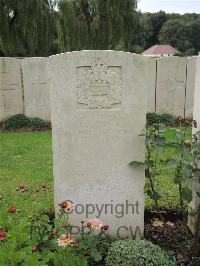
26	158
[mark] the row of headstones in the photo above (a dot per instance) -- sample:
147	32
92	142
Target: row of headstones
171	85
24	86
98	102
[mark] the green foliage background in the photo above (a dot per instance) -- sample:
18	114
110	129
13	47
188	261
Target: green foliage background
45	27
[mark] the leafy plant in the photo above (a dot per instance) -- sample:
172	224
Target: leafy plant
36	123
165	118
155	142
182	163
94	247
16	121
22	121
137	253
152	118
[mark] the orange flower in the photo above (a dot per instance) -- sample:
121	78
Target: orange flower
2	235
95	223
53	233
12	209
64	240
75	245
67	206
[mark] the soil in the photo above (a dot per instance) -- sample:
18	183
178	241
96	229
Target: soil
168	230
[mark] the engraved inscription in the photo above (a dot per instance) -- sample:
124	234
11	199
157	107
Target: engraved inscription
99	87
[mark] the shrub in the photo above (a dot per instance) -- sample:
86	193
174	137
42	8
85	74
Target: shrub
153	118
22	121
137	253
166	119
16	121
36	123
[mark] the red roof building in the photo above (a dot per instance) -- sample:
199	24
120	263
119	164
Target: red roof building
160	50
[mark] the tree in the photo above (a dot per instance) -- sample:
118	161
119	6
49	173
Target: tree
152	24
96	24
182	34
195	25
27	27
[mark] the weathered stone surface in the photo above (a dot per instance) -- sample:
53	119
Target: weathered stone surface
171	79
36	87
190	86
10	88
195	184
151	99
98	101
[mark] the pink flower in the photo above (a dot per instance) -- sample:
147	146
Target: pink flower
65	240
95	223
34	249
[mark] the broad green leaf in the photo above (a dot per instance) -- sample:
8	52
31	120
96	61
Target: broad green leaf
158	149
172	164
198	194
150	163
187	194
160	140
147	187
188	173
155	195
197	173
177	179
137	164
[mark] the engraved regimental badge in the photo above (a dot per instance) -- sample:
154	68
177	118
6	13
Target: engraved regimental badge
99	87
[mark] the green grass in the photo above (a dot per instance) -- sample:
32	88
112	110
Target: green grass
164	183
27	158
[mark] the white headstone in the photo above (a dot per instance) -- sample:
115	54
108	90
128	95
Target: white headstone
98	101
11	99
170	88
151	85
36	87
190	86
195	184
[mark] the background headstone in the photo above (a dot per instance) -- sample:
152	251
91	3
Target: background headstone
171	79
151	101
36	87
190	86
11	99
98	101
196	116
